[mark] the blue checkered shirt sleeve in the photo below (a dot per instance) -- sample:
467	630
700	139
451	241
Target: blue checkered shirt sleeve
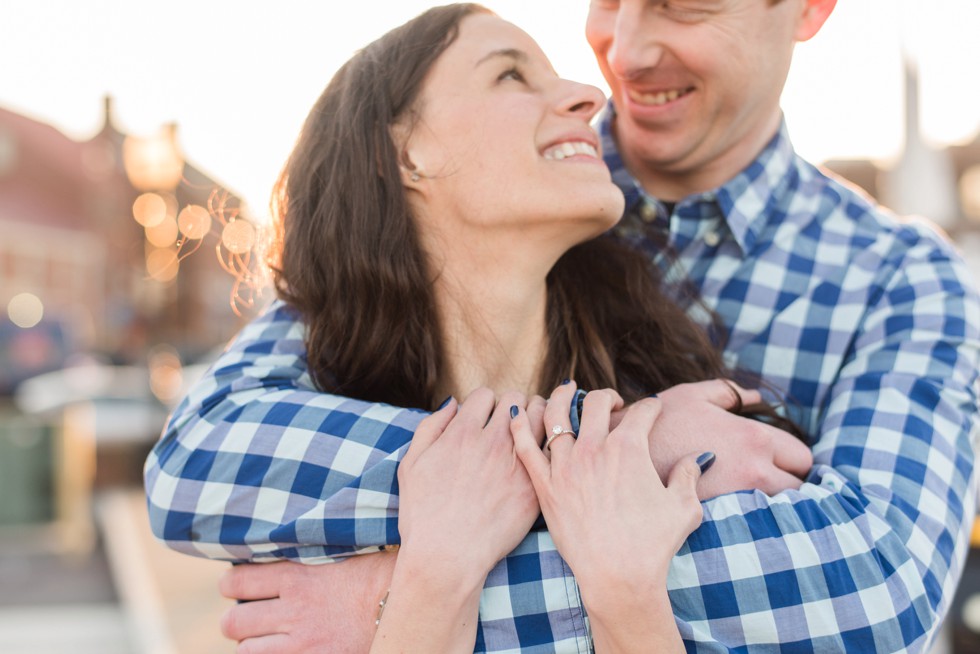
255	464
866	556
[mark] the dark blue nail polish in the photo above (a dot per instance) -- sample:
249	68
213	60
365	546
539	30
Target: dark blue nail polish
652	395
705	461
445	403
565	381
513	411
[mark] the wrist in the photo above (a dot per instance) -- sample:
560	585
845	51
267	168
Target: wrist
450	574
625	622
614	592
426	609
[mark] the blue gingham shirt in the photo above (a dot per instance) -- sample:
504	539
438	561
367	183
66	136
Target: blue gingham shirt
870	325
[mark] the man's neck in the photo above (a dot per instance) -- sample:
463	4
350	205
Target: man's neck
674	183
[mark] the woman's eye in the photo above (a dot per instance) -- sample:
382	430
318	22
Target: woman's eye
512	74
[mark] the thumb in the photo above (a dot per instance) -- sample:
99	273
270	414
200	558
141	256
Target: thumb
528	448
682	483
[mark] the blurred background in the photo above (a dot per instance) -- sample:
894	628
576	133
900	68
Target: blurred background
139	142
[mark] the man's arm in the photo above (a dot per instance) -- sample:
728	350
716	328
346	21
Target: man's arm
866	556
257	465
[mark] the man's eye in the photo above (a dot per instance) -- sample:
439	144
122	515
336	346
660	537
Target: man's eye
679	11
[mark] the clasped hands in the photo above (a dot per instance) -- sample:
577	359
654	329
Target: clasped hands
442	502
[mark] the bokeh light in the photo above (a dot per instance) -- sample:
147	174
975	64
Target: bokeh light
238	236
149	209
970	192
194	221
162	264
166	374
25	310
164	234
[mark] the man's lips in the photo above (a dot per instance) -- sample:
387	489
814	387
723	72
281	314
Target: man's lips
657	98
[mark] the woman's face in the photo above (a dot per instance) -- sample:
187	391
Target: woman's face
501	142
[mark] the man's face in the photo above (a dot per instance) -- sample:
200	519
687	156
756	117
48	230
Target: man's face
696	83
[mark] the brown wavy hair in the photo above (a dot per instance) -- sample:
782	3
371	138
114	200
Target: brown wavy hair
350	260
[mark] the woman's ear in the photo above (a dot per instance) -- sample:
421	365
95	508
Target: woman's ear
815	14
410	173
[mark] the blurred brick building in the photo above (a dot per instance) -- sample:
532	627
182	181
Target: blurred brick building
78	273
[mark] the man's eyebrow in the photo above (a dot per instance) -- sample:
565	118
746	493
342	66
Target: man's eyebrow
509	53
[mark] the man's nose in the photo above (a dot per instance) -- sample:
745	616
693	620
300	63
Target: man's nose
635	44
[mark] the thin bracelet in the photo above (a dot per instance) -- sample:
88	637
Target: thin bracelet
381	607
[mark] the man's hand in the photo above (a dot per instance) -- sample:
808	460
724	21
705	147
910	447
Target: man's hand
295	609
749	454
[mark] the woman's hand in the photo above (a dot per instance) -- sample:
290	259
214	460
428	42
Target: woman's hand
465	502
465	497
613	520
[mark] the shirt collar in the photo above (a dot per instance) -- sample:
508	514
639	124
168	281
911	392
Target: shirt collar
745	201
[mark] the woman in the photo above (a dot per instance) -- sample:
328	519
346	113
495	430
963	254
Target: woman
440	235
430	244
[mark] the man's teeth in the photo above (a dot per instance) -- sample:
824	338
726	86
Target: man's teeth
654	99
570	149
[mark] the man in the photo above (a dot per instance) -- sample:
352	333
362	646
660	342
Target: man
869	325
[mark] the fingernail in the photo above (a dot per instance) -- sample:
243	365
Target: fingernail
513	411
565	381
705	461
445	403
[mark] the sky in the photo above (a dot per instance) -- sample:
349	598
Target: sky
238	77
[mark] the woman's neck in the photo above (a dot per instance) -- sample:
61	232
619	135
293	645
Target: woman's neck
494	334
492	312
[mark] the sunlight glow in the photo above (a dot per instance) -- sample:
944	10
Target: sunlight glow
240	109
152	163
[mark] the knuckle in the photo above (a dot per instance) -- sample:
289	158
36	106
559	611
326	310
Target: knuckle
758	438
230	584
596	400
647	409
756	477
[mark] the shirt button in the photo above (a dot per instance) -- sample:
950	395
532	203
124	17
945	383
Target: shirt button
711	239
648	212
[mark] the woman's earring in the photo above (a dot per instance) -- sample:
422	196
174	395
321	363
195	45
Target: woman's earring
415	176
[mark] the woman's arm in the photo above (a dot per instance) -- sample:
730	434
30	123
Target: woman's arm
465	503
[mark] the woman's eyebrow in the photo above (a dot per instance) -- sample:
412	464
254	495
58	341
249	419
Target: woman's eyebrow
509	53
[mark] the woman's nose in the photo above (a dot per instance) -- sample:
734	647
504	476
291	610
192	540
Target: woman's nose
584	100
